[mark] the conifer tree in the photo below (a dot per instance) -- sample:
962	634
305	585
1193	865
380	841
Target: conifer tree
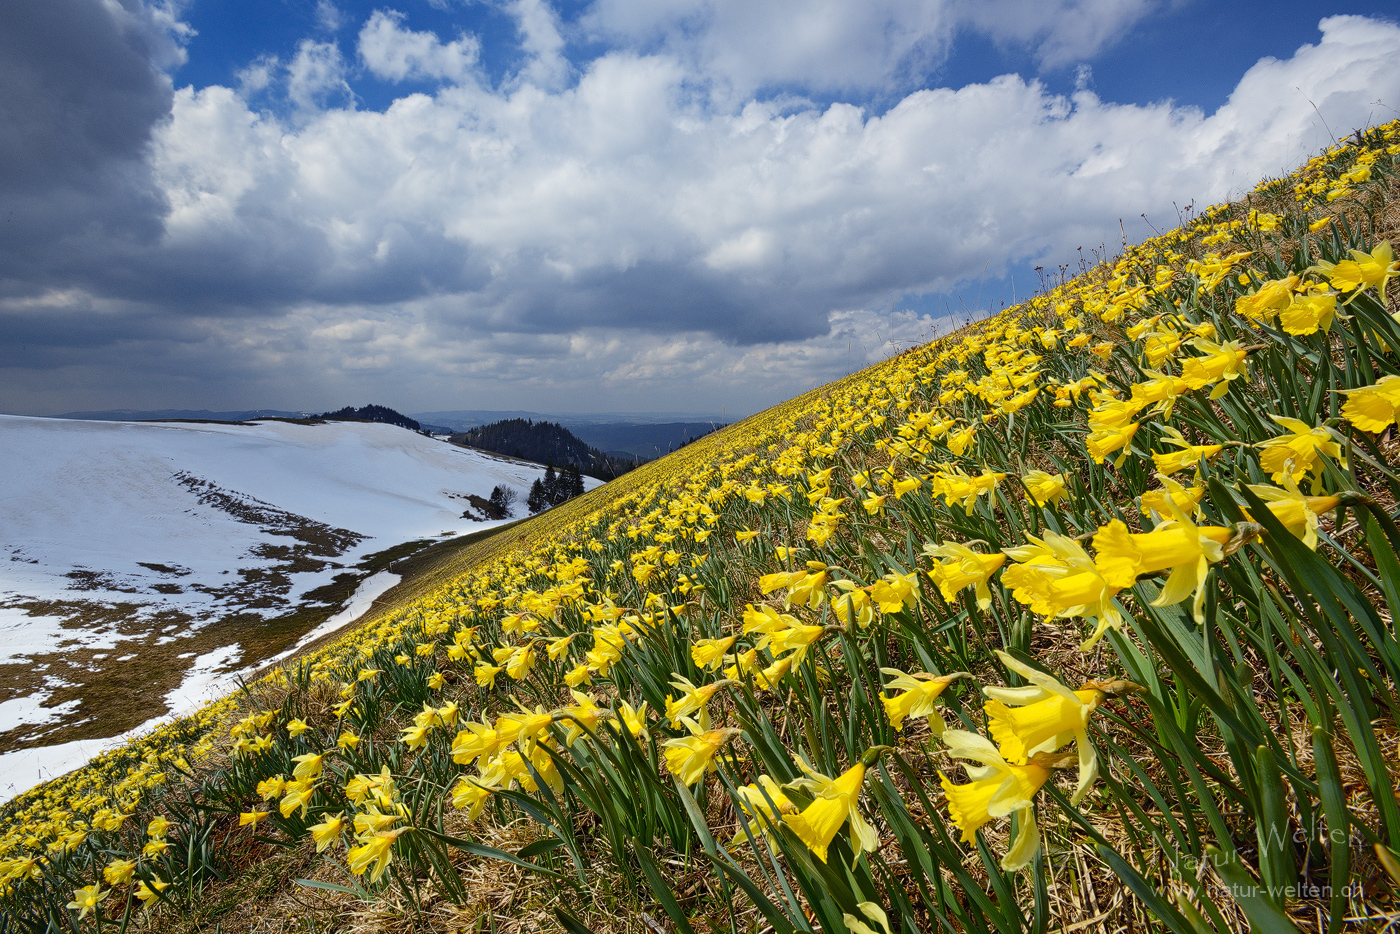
551	485
573	481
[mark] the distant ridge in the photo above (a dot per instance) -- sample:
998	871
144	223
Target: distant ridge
192	415
368	413
464	419
372	413
545	443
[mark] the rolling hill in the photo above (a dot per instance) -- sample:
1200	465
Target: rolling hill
140	557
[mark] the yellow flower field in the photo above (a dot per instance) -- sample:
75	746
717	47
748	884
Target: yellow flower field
1082	615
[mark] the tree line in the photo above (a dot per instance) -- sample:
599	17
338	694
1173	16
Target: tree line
545	443
555	488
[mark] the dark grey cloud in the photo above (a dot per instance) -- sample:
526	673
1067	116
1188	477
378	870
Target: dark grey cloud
81	91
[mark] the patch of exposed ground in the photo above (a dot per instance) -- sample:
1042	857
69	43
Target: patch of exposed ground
125	656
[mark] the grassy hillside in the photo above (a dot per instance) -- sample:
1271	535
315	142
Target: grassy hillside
1081	618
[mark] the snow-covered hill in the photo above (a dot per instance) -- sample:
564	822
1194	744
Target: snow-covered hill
142	563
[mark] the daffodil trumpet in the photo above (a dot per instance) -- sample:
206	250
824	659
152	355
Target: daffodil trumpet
835	801
998	788
1045	716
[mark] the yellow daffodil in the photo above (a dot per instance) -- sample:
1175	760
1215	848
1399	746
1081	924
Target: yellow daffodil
1103	441
835	802
804	587
119	871
1265	302
998	788
690	757
1179	546
1044	488
894	591
1220	364
511	765
917	695
960	440
765	679
796	638
875	503
308	766
581	718
328	831
1309	314
1187	456
87	899
147	892
852	604
1373	408
1171	497
376	850
1046	716
521	661
373	821
633	718
526	727
471	796
1296	453
960	567
765	620
473	741
709	653
764	803
415	737
273	787
957	487
298	796
1298	513
1363	270
692	699
1056	577
251	818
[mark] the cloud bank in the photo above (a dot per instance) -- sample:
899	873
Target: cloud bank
668	224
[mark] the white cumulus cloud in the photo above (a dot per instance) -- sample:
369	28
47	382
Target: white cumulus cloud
832	45
397	54
316	76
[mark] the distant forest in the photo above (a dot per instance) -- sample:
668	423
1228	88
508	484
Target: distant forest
545	443
373	413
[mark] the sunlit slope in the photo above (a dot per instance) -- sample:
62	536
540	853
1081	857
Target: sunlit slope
1080	616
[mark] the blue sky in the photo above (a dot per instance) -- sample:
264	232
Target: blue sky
602	205
1192	52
